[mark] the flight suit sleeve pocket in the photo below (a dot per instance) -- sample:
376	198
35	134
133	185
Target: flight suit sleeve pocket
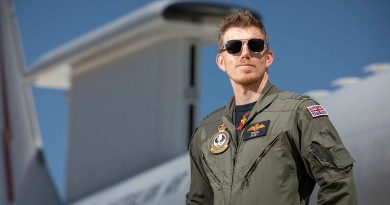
342	158
328	157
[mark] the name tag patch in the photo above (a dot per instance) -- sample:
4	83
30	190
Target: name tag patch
256	130
317	110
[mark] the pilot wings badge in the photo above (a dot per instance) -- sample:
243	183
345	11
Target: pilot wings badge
220	141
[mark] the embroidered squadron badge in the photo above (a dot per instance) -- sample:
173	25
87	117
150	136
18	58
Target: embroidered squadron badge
256	127
220	141
256	130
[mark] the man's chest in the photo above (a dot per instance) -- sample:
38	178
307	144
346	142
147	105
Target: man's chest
259	138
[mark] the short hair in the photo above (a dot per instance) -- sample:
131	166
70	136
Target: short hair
240	18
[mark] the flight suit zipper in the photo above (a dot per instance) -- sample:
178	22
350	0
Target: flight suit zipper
234	158
258	159
237	146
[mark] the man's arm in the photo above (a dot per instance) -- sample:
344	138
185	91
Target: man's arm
200	190
326	159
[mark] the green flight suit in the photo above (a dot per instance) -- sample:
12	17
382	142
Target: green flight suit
281	166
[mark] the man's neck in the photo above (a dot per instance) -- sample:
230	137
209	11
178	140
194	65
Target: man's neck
250	93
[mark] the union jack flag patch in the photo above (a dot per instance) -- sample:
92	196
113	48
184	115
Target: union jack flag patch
317	110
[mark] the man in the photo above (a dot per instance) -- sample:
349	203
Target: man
265	146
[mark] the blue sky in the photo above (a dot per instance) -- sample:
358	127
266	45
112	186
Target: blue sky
315	42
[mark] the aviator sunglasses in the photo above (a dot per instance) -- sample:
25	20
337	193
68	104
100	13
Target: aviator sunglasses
235	46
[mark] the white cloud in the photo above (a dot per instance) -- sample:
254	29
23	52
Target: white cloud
317	94
377	68
345	81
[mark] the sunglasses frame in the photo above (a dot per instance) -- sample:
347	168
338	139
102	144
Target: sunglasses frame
243	41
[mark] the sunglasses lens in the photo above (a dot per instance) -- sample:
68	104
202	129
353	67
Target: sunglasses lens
256	45
233	46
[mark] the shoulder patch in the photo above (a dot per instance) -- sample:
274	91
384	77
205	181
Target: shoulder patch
317	110
291	95
296	96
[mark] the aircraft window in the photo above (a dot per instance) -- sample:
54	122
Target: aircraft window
192	65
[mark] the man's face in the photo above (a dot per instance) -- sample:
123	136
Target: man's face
246	67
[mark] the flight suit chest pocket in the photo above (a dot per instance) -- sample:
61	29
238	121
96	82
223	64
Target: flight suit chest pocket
270	176
215	181
258	159
212	175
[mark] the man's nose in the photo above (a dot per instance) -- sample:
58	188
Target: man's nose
245	52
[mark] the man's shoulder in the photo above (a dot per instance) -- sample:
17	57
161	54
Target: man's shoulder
213	116
290	101
298	103
293	96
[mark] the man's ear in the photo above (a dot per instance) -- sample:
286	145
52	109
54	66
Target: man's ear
220	62
269	58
